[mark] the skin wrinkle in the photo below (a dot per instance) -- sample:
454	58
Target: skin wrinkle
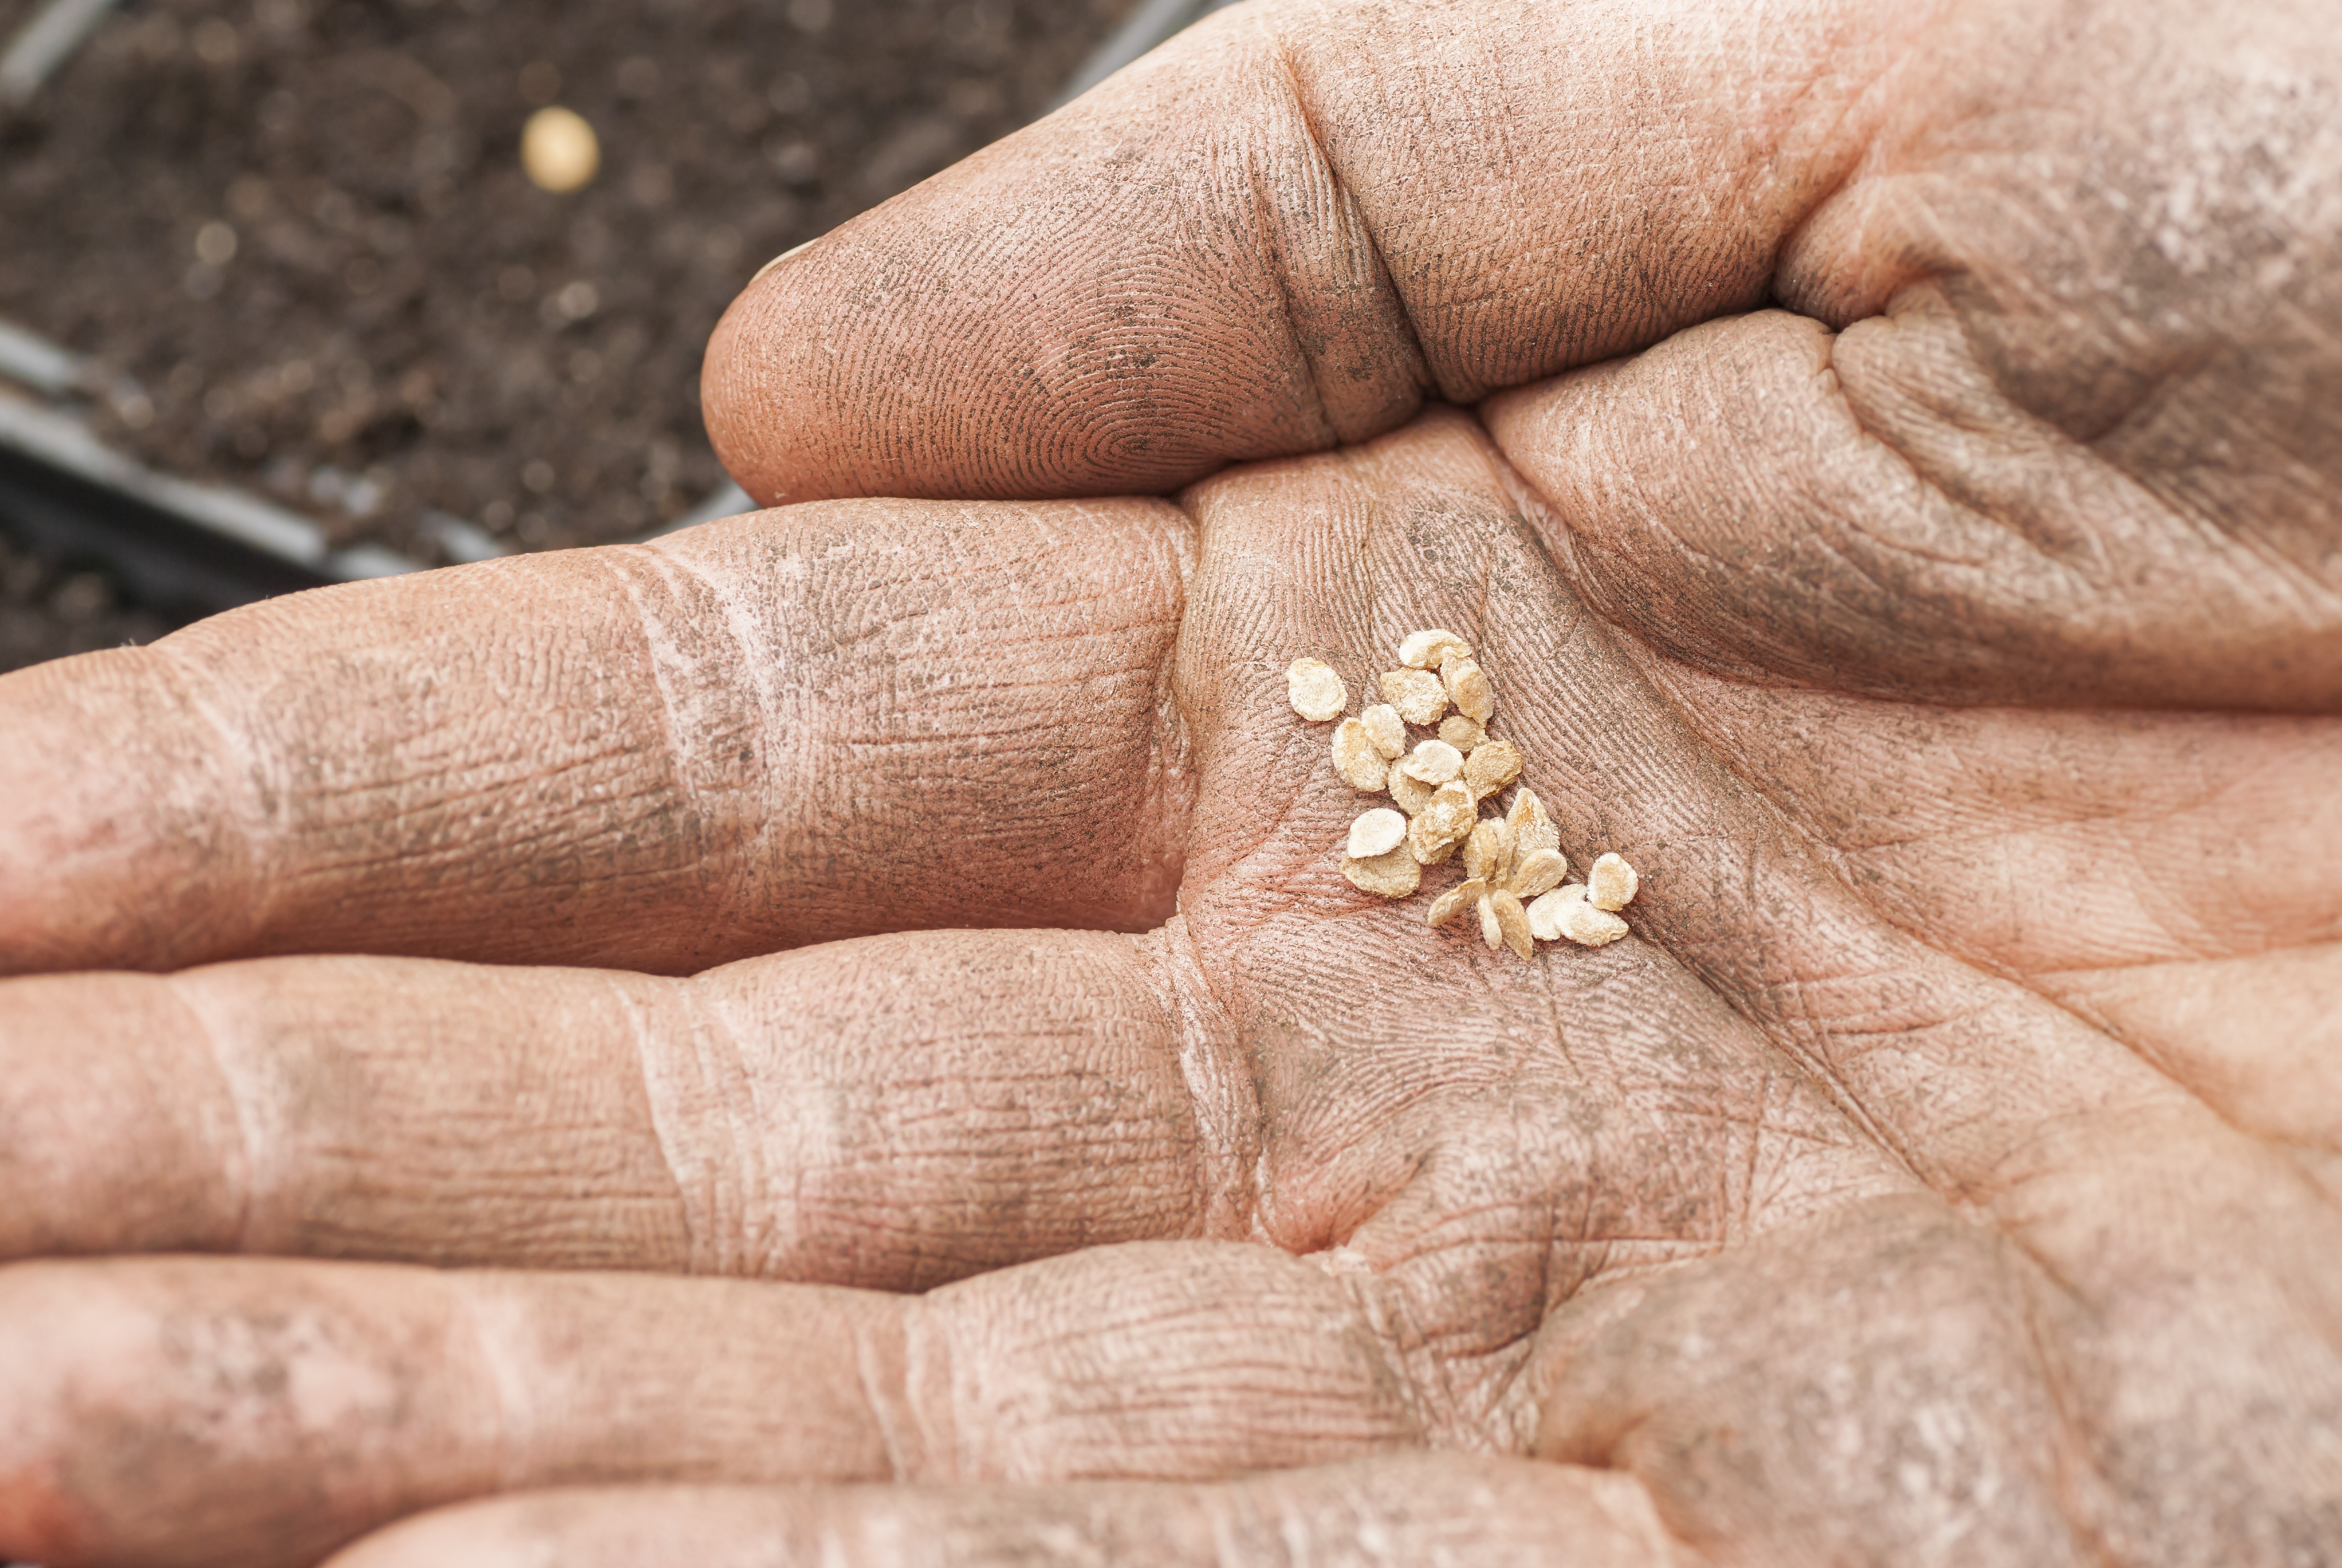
1276	273
770	1232
1232	1104
1385	1317
1868	435
1875	575
885	1413
1659	671
256	820
515	1410
1611	593
1824	1072
2156	1053
665	656
246	1177
665	1133
2075	1472
1414	360
2084	807
1819	1026
2054	555
767	678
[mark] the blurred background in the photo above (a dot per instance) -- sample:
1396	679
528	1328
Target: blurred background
295	291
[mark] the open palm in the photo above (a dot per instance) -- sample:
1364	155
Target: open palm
946	902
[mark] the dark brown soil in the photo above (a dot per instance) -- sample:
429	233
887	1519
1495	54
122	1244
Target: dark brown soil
401	309
47	611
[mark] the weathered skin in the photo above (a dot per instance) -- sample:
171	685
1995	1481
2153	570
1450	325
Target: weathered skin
840	1037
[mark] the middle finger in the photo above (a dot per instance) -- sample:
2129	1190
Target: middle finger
891	1113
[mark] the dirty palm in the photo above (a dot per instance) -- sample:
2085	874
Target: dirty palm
843	1034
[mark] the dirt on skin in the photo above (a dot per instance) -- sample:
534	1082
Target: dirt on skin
300	232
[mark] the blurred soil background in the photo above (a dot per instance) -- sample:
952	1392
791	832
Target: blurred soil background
296	239
49	610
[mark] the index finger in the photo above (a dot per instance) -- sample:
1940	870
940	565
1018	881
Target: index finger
1286	231
835	721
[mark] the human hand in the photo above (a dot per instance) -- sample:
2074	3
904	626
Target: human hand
1924	1180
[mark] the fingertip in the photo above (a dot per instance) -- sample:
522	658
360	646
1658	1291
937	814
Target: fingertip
1164	278
499	1532
607	1527
732	406
472	1536
42	1519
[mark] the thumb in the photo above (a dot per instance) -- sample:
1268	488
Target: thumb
1287	229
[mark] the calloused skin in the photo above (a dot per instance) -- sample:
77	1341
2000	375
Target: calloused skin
839	1036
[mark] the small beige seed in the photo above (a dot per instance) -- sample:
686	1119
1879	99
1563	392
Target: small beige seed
1564	912
1533	830
1443	824
1611	883
1492	931
1461	732
1464	895
1377	831
1541	871
1428	845
1429	650
558	150
1354	758
1483	852
1492	765
1512	922
1417	695
1315	692
1389	730
1434	762
1545	914
1451	810
1394	875
1591	927
1412	794
1469	689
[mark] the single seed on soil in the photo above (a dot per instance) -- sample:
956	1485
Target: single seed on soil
1394	875
1469	689
1417	695
558	150
1315	692
1362	767
1611	883
1455	901
1443	824
1461	732
1429	650
1434	762
1412	794
1377	831
1388	729
1492	765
